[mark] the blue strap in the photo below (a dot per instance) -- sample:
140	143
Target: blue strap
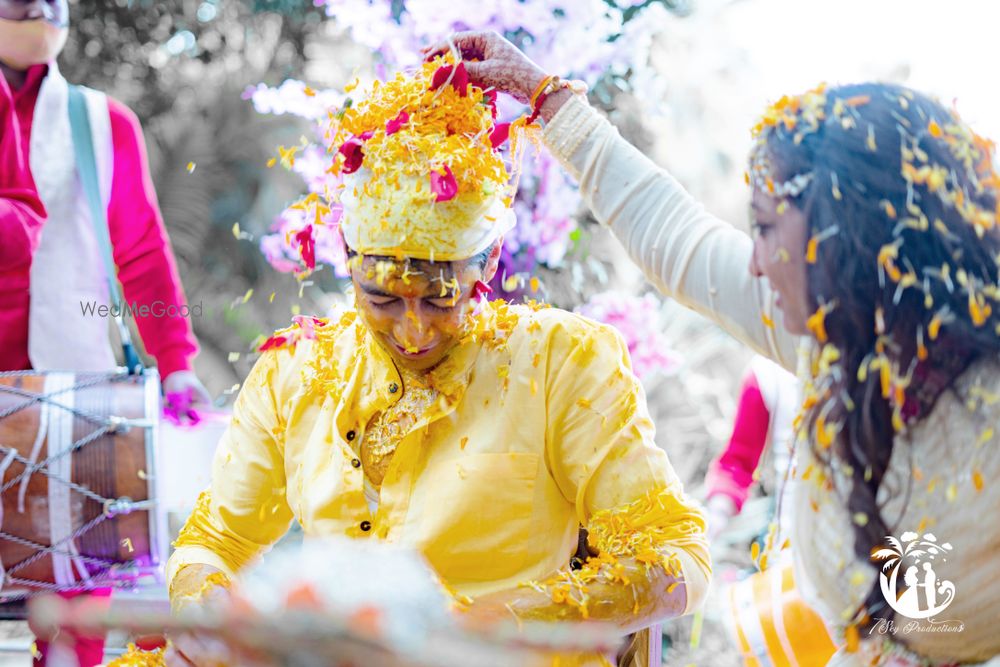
86	165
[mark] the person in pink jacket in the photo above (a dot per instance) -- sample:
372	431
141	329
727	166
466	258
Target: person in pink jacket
52	280
769	399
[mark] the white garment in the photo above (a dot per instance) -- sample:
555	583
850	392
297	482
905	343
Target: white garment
67	270
781	393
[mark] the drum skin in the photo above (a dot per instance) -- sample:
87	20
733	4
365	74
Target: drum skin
112	466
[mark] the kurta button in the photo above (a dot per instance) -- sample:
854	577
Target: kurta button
393	388
356	463
350	436
366	526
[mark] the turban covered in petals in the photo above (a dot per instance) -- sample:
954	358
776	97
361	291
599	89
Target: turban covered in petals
424	177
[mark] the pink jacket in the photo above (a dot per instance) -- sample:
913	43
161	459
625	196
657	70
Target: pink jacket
146	265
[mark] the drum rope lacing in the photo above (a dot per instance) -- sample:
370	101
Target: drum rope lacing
106	426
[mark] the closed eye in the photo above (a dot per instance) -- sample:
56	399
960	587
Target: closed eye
381	302
441	305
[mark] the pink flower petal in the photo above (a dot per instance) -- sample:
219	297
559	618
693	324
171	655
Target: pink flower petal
393	126
272	343
444	185
460	81
307	246
440	76
353	155
499	134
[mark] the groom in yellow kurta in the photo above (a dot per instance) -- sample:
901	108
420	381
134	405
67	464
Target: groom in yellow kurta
480	433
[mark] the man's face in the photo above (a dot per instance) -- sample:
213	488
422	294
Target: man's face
417	310
55	12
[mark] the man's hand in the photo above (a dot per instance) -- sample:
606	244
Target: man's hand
192	588
184	394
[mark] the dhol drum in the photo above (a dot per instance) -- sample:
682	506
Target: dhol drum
77	465
774	627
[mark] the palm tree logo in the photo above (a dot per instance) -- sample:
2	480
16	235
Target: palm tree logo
922	594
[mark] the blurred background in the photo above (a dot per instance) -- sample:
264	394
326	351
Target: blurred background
220	84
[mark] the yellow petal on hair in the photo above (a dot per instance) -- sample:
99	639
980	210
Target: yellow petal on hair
934	129
889	209
934	328
824	432
127	543
270	299
817	322
979	310
811	248
191	167
246	297
273	161
860	518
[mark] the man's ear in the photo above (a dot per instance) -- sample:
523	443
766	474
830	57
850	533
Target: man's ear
493	262
347	253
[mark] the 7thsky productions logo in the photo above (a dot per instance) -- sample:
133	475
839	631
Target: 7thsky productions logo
911	586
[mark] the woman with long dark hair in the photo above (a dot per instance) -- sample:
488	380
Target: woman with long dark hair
875	213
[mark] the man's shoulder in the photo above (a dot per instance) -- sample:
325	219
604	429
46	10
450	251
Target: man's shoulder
553	323
295	347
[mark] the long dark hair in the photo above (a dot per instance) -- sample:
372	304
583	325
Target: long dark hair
909	270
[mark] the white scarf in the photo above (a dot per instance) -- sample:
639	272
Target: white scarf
67	270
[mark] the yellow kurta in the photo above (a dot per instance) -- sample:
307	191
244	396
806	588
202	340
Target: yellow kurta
541	423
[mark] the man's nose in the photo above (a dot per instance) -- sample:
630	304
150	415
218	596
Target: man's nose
411	330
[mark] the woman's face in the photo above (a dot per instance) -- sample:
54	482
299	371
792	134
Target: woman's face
417	314
779	254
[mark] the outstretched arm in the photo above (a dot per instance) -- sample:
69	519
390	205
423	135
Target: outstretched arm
689	255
